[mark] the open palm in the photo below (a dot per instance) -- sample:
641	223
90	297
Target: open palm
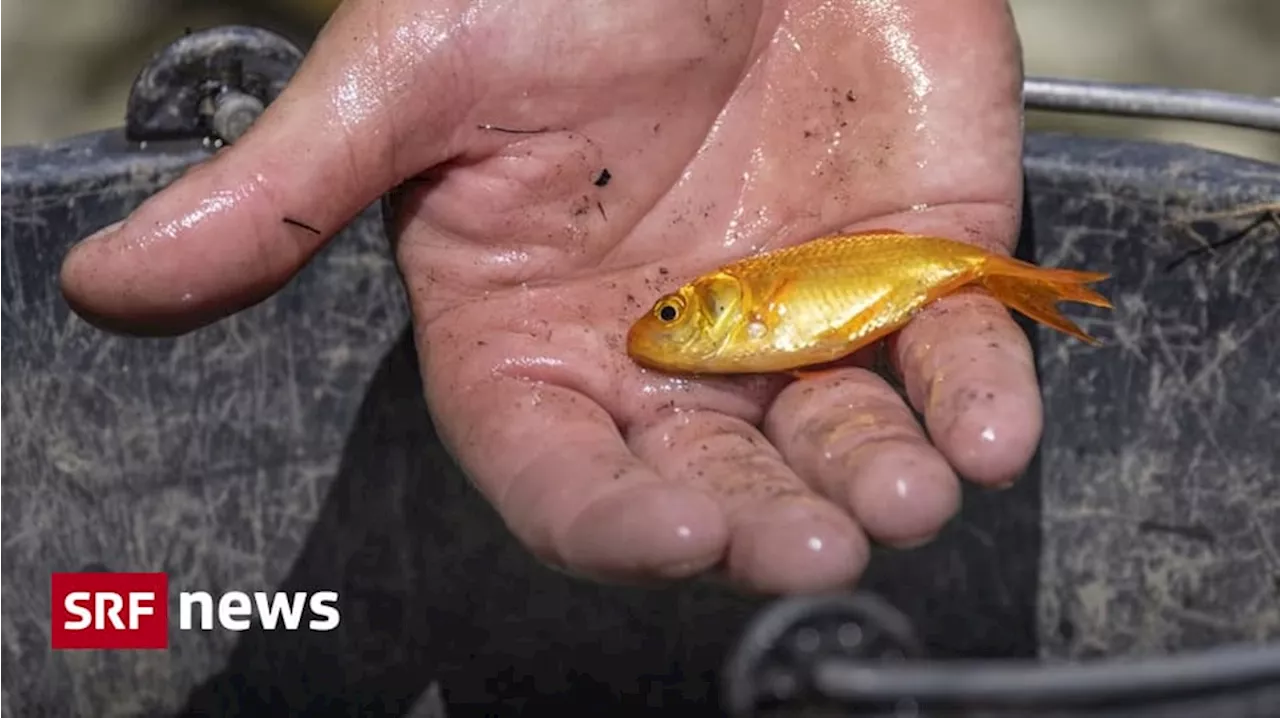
556	167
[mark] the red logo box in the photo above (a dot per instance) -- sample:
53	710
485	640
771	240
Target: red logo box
110	611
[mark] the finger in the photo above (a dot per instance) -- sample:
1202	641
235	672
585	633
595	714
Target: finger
851	437
968	369
554	465
236	228
783	537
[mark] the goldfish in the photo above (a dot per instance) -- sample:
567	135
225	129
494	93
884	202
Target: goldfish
822	300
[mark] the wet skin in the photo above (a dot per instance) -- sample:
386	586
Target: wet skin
727	128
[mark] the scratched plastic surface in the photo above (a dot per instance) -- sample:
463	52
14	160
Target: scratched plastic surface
1161	469
288	448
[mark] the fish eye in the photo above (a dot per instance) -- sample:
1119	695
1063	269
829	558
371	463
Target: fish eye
669	310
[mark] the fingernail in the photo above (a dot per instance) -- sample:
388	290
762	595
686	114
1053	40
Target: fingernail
109	229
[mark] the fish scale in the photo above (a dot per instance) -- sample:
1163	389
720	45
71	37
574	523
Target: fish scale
839	280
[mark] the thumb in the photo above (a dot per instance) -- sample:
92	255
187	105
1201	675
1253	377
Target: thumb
235	229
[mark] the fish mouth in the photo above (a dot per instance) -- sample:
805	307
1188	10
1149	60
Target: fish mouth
639	346
651	353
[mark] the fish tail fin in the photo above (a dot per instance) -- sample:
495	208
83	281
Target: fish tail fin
1035	291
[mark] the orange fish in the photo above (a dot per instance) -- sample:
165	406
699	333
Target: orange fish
823	300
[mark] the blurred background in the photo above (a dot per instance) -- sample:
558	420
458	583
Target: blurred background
68	64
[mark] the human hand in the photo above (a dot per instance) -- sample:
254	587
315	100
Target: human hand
727	127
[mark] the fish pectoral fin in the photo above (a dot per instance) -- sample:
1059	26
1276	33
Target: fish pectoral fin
774	292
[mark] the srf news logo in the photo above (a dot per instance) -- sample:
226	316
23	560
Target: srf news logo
131	610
